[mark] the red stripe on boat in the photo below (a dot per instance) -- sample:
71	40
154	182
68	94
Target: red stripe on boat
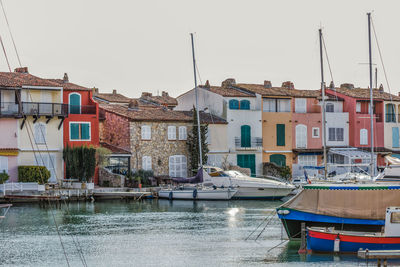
355	239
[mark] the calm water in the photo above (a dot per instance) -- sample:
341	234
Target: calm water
151	233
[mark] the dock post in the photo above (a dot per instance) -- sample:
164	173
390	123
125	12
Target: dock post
303	246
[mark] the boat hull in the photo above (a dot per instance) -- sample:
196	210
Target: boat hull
292	219
192	194
261	193
349	243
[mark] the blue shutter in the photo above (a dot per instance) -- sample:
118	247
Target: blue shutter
85	131
245	104
395	137
233	104
280	134
278	159
75	104
245	136
74	131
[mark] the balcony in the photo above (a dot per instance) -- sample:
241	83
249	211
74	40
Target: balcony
79	109
254	144
9	109
44	109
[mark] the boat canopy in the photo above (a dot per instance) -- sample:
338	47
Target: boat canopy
367	201
350	152
191	180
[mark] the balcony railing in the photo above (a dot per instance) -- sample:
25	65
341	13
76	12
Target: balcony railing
254	144
79	109
8	109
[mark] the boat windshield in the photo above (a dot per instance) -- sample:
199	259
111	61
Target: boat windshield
233	173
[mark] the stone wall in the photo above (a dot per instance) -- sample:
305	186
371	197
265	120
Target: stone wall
115	130
109	179
159	148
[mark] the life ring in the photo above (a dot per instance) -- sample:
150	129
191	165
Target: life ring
195	194
171	195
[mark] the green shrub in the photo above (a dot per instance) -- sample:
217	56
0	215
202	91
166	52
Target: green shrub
80	162
3	177
38	174
142	176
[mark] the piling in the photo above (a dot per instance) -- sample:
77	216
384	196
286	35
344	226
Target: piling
303	246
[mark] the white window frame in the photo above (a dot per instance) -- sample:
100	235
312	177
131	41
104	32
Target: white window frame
363	136
307	160
269	105
3	164
315	135
40	133
146	163
171	132
358	106
335	136
283	105
50	162
80	102
301	137
146	132
177	166
300	105
182	133
330	105
80	139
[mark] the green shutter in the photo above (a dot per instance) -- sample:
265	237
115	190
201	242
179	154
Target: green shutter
74	104
85	131
233	104
247	161
74	131
280	134
245	136
244	104
278	159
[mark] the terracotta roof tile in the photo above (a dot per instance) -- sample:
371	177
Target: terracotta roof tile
364	93
228	91
113	98
69	86
278	91
207	118
17	79
164	99
114	149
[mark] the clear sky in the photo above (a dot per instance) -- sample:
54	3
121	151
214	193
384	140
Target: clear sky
136	46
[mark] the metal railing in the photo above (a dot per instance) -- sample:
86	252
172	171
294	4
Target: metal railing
8	109
79	109
255	143
44	109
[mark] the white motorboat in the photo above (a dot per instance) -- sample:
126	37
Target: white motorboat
197	193
248	187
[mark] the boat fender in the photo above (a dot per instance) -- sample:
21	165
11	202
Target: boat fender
222	186
336	244
195	193
283	212
214	187
171	195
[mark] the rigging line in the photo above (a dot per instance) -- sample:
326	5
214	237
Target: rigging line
5	53
327	58
76	242
9	30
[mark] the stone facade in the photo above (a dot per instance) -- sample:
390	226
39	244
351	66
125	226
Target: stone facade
109	179
159	148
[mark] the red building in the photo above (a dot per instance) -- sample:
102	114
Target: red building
81	127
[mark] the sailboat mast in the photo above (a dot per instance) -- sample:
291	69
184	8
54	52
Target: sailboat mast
371	96
323	102
197	103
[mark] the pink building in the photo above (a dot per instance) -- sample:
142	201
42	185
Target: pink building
8	144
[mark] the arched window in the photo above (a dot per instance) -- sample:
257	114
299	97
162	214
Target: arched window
40	133
278	159
233	104
245	136
330	107
301	136
244	104
363	137
390	113
74	103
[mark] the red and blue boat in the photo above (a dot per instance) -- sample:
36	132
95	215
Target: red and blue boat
329	240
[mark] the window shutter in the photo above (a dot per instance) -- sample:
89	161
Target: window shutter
75	103
233	104
280	134
85	131
171	133
301	136
74	131
358	107
3	164
300	105
146	132
245	136
182	133
363	137
269	105
40	133
331	133
339	134
395	137
244	104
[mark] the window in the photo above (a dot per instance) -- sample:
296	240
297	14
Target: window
40	133
177	166
335	134
269	105
395	137
330	107
79	131
390	113
278	159
363	137
233	104
49	161
315	132
244	104
3	164
301	136
146	132
300	105
358	106
171	132
245	136
280	134
307	160
336	159
74	103
283	105
247	161
182	133
146	163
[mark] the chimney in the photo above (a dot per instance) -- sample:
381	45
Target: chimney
146	94
381	88
133	104
207	85
267	84
164	93
347	85
228	82
22	70
95	91
65	79
114	92
288	85
331	85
